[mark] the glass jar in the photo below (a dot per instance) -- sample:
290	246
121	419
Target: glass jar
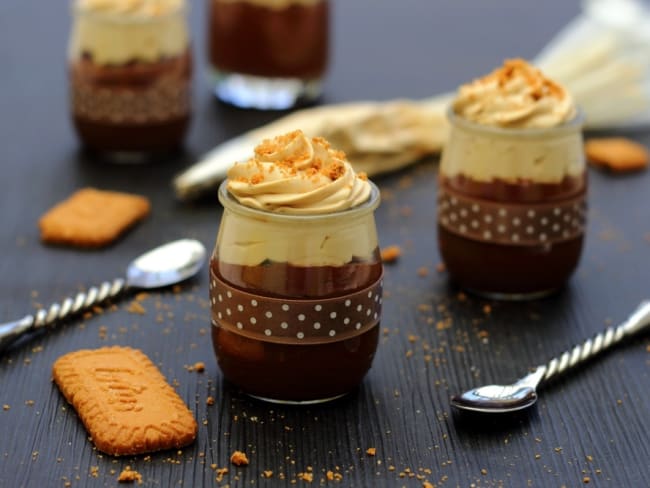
296	300
511	207
130	76
268	54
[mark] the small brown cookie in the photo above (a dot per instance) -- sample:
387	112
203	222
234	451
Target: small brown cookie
124	401
92	218
617	153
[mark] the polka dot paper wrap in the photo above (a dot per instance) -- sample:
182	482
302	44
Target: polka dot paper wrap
292	321
517	224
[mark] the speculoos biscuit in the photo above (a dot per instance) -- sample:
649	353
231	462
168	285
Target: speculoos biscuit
124	401
92	218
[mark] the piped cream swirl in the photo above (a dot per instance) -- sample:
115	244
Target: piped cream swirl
294	174
515	95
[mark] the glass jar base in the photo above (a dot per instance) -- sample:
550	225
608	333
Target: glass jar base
297	402
513	297
246	91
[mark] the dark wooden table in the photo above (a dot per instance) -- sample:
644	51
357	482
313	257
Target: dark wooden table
590	427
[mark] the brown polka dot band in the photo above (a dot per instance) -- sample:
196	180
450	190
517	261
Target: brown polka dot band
169	98
521	224
291	321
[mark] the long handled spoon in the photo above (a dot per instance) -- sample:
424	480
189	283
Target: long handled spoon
523	393
163	266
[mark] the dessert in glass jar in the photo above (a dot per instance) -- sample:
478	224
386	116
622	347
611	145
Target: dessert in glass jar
268	54
130	75
296	276
512	185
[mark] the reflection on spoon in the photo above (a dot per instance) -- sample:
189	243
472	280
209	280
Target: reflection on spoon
523	393
163	266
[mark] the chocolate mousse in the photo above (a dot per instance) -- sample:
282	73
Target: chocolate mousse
276	38
295	278
130	71
268	53
512	185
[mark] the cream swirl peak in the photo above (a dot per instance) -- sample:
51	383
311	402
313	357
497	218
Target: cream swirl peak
515	95
295	174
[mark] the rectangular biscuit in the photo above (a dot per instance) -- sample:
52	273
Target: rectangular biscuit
124	401
92	218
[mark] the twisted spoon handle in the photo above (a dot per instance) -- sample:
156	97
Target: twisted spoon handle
10	331
636	322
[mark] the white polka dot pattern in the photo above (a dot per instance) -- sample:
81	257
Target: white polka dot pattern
521	224
291	321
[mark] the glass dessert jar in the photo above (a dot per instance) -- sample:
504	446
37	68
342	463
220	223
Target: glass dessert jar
130	75
296	297
512	186
268	54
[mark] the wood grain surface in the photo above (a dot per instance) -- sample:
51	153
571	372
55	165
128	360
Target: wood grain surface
590	428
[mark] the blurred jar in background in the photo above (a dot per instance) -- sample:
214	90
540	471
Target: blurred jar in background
268	54
130	75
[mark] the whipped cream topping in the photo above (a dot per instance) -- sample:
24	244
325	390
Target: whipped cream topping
121	31
515	95
294	174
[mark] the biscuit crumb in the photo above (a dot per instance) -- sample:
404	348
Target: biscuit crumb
136	308
391	254
371	451
220	472
209	401
267	473
129	475
618	154
238	458
308	477
6	407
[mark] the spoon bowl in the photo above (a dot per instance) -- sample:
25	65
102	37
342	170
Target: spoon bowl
496	398
166	265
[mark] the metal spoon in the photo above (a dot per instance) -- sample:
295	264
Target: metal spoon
522	393
163	266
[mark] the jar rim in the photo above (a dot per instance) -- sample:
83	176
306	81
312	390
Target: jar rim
126	18
575	123
228	201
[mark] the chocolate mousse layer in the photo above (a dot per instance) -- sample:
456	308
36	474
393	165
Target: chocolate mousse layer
506	238
288	42
296	333
134	106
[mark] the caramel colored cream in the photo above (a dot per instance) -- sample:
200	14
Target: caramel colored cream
294	174
515	95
